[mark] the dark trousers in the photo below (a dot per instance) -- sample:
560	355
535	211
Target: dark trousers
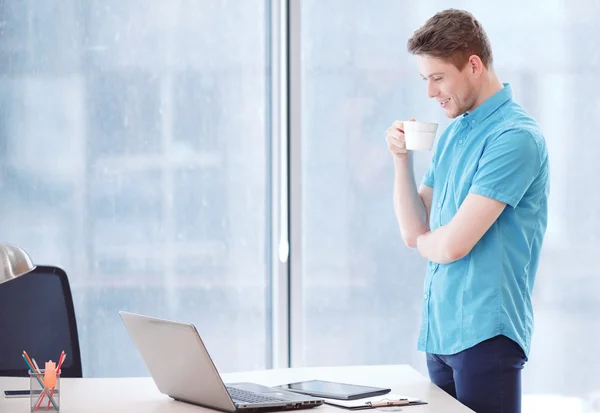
485	377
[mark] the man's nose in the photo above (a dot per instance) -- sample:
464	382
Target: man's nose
432	91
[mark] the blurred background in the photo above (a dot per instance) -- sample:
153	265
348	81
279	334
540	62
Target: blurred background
136	152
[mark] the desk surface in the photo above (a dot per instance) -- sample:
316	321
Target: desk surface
125	395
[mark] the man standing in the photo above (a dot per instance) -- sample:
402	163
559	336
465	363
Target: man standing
479	218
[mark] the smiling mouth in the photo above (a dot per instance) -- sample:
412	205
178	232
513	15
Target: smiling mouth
444	103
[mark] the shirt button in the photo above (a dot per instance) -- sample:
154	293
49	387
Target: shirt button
434	267
473	121
439	204
460	141
426	297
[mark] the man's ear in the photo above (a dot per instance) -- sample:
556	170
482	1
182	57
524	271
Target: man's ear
475	65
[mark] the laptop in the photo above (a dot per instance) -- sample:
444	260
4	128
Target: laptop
182	369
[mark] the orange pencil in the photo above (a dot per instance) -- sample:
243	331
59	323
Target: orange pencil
30	362
61	359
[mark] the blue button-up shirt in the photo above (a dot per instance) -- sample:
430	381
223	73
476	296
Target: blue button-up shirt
496	151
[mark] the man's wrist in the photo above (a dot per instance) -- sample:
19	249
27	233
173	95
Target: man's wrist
403	161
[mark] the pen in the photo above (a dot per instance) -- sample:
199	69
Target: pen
384	403
35	364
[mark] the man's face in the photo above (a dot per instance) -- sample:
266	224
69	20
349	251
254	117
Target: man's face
455	90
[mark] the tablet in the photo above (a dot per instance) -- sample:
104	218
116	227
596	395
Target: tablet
334	390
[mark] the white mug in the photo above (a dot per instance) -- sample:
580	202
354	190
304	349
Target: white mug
419	136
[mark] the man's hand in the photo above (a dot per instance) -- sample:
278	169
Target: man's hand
433	246
395	139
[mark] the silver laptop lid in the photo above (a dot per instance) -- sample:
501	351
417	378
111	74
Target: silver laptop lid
178	360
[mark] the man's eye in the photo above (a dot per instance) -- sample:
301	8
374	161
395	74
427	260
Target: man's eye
437	79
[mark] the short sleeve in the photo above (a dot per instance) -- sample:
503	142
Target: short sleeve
507	167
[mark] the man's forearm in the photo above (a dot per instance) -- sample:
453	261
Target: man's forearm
456	239
435	246
408	205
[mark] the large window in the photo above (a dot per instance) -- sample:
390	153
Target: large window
135	155
361	289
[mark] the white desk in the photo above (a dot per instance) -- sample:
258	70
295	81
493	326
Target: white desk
125	395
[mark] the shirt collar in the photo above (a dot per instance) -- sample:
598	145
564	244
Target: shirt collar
483	111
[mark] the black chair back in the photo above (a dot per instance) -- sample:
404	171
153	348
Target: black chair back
37	315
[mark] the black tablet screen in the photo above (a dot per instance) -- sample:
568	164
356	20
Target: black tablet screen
334	390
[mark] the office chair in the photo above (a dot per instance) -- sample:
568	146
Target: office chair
37	315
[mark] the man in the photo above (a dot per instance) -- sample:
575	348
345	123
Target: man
479	218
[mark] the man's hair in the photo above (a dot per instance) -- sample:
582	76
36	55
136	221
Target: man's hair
453	36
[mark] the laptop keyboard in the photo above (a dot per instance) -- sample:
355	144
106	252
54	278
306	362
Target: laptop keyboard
251	397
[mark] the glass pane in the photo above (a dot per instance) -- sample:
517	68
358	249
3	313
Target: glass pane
362	288
134	155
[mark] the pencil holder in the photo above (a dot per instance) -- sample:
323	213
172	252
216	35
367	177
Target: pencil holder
42	397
